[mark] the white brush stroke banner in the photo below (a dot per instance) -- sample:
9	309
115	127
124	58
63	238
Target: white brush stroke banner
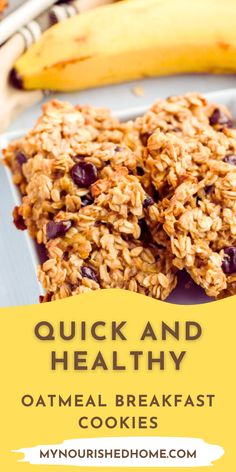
125	452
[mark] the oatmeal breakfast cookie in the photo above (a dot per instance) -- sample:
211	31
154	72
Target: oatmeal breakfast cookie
81	198
170	159
185	115
106	244
55	164
111	261
196	179
127	205
62	131
176	117
172	119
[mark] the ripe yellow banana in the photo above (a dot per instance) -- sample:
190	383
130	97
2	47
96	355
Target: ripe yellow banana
132	39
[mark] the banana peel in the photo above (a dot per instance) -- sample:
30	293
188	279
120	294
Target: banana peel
129	40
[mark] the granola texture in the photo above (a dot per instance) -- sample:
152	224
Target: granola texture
128	205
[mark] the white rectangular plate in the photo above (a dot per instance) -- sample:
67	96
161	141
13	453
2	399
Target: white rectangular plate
18	253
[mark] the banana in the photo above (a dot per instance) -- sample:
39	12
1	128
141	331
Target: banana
132	39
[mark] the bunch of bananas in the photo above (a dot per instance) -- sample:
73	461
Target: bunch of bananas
132	39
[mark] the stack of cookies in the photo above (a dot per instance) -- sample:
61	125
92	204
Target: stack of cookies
129	205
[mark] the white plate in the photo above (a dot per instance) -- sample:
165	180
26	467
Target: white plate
18	253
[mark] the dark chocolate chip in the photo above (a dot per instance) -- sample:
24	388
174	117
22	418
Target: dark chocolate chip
140	171
145	235
144	138
230	159
86	200
21	158
66	256
88	272
209	189
148	202
84	174
229	261
20	223
143	225
57	229
18	220
45	298
155	194
42	253
15	79
198	200
118	149
219	118
215	116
